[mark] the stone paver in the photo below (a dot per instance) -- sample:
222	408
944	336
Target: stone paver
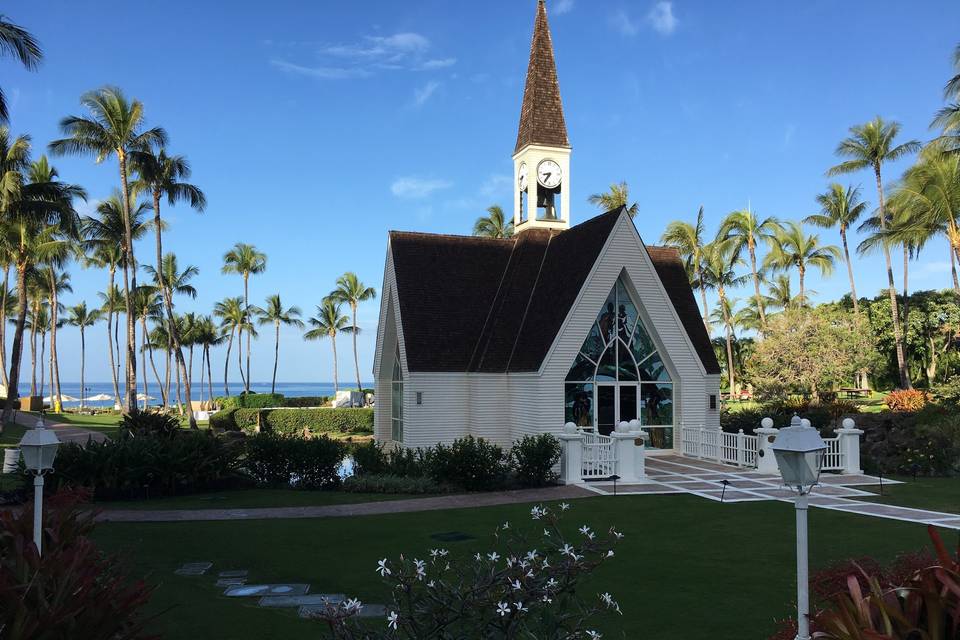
345	510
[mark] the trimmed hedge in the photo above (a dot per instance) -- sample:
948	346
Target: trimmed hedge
306	401
307	463
251	401
295	421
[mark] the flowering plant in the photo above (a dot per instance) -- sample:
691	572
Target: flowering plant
519	589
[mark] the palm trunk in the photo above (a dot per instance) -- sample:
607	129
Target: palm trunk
356	361
189	382
226	364
953	271
243	378
892	290
43	351
276	357
906	299
756	287
853	287
703	297
129	285
153	364
803	292
731	376
54	358
143	362
206	349
116	346
110	315
33	355
3	327
246	314
336	384
83	362
166	379
17	348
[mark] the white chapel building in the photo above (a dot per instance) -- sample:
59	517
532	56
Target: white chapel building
502	338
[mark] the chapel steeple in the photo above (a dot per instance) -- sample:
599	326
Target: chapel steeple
541	156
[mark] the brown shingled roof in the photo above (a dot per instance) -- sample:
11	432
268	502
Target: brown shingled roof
541	114
493	306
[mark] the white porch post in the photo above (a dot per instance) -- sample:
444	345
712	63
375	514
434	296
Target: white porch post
850	446
571	462
624	438
766	461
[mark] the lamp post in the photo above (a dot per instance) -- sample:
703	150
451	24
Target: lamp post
799	451
38	448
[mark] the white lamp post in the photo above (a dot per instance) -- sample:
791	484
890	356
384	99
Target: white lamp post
38	448
799	451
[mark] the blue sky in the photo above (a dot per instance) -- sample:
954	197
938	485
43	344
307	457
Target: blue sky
314	128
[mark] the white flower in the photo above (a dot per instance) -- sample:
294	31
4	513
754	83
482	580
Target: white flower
505	525
515	584
608	600
585	530
564	506
551	583
382	568
616	534
503	609
547	599
530	573
546	532
493	556
531	554
519	607
392	619
594	635
478	557
434	553
536	512
431	584
567	550
610	553
421	568
353	605
546	564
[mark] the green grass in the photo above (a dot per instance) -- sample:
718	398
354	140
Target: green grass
688	568
873	404
935	494
254	499
12	433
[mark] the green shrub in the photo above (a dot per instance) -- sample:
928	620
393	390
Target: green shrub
251	401
534	458
371	458
148	423
469	463
306	401
948	393
246	419
906	400
926	442
223	420
298	421
822	416
386	483
148	466
308	463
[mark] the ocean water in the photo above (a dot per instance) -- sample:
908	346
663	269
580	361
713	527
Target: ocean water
289	389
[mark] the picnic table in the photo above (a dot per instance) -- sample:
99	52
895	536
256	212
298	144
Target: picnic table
854	392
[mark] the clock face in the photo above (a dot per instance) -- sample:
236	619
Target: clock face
549	174
522	176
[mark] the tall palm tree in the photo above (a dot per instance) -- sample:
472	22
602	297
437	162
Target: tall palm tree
327	324
115	127
792	247
870	146
80	317
688	240
147	306
162	176
720	262
244	259
207	336
274	313
840	208
54	282
187	330
618	196
233	318
745	230
34	217
19	43
780	294
947	119
7	307
112	305
494	224
352	292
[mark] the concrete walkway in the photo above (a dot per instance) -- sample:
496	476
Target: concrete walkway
435	503
65	431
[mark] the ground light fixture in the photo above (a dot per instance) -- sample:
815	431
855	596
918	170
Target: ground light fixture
38	448
799	452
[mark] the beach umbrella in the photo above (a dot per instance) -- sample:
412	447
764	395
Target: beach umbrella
63	397
140	396
100	397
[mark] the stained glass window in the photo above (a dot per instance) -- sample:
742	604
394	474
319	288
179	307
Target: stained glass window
396	400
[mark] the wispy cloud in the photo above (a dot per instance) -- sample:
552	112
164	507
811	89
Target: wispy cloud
407	51
661	18
496	185
623	23
424	93
413	187
562	6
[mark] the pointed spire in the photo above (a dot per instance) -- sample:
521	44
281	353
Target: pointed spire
541	115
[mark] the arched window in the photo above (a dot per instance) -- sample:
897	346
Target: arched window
619	352
396	400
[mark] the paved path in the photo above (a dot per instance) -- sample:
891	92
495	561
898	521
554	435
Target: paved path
360	509
65	431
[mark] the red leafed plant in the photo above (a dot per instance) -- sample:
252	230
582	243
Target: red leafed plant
906	400
72	591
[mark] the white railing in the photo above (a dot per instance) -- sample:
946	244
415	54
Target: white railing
713	444
599	456
833	457
739	449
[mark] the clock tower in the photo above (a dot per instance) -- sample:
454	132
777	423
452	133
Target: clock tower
541	159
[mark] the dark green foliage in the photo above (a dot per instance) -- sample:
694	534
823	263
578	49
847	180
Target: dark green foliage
251	401
306	401
147	466
357	421
148	423
72	591
470	463
534	458
371	458
948	393
223	420
824	417
386	483
926	442
308	463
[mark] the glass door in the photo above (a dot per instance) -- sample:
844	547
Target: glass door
606	408
627	404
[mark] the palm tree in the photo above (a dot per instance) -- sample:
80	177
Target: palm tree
274	313
352	292
233	318
245	260
112	304
17	42
947	119
114	128
207	336
618	196
162	176
34	216
720	262
869	146
80	317
688	240
840	208
791	247
745	230
187	330
493	225
327	324
780	295
53	283
147	306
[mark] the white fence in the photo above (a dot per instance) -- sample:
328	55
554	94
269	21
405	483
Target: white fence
833	458
599	456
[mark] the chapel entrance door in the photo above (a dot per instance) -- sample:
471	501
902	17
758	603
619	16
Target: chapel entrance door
606	408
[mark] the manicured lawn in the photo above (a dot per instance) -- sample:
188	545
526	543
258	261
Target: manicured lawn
105	423
253	499
12	433
873	404
936	494
688	568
